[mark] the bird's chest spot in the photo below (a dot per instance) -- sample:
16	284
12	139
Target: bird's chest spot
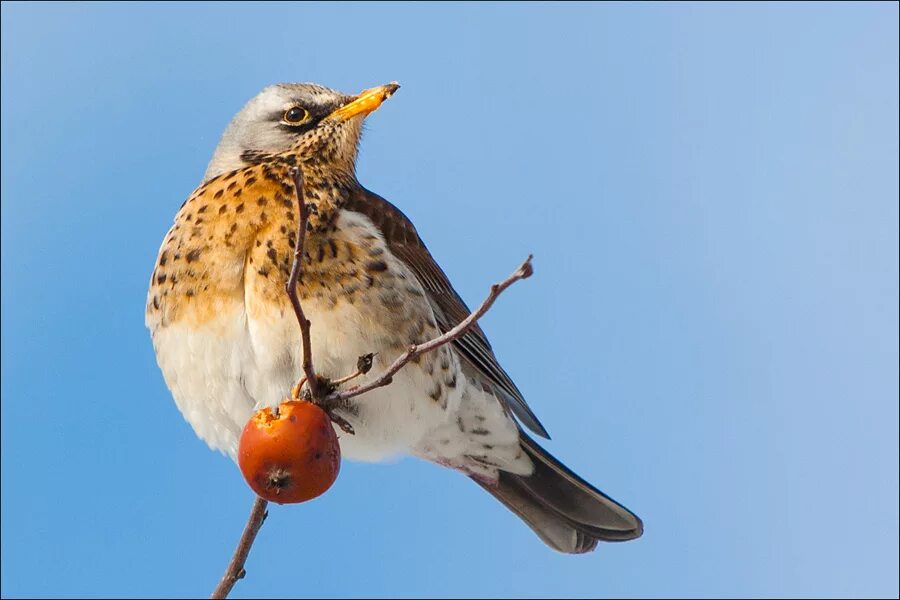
203	257
358	297
346	268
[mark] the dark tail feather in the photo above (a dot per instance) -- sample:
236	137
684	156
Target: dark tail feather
567	512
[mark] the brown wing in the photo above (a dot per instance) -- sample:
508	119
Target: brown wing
449	309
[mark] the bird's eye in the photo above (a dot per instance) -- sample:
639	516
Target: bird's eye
295	115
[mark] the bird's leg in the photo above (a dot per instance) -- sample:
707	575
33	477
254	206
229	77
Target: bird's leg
329	406
341	422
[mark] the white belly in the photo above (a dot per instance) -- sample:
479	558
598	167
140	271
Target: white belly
221	371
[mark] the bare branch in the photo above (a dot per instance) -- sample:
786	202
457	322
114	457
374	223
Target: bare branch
524	271
291	286
235	568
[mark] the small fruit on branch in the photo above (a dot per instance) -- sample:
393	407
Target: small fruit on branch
289	456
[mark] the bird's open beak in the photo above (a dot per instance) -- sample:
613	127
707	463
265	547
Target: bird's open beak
366	102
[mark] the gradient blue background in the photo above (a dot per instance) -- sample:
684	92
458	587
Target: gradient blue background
711	196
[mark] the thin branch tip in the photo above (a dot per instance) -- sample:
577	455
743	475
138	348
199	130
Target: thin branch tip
236	570
527	269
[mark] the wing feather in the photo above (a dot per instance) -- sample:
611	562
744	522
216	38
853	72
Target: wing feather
403	241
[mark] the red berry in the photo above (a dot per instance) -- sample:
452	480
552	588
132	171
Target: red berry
290	457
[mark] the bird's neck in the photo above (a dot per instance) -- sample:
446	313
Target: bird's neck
327	183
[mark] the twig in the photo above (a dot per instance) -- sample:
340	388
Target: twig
235	568
316	391
524	271
291	286
363	366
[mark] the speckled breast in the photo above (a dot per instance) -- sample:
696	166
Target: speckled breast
226	337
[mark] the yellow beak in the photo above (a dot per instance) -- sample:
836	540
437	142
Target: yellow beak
366	102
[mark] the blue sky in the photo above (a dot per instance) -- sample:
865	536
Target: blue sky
711	336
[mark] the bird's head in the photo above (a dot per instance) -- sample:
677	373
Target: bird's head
322	125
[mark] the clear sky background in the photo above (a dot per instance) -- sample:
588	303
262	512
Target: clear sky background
711	336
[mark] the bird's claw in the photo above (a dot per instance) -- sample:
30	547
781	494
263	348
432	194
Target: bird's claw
326	387
329	406
345	426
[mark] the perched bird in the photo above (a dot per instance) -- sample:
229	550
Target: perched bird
228	343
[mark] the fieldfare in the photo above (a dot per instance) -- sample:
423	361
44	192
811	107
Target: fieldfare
227	340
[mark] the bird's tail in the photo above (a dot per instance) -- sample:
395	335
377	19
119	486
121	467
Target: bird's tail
568	514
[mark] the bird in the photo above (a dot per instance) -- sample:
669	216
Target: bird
228	343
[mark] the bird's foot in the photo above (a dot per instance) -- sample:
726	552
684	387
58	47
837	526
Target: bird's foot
325	387
340	421
330	406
